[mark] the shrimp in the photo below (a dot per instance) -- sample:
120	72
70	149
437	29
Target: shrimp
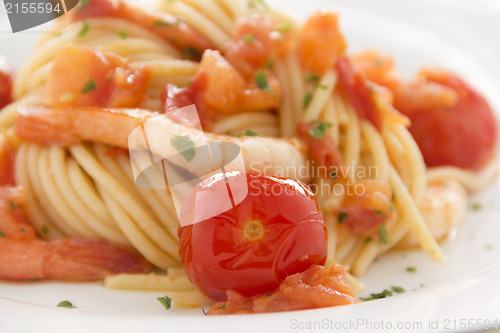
45	125
24	257
443	209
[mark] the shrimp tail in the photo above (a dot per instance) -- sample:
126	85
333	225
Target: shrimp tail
67	259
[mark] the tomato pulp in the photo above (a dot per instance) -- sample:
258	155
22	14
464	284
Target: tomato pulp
277	230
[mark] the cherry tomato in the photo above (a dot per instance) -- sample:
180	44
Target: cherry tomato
460	131
277	230
5	83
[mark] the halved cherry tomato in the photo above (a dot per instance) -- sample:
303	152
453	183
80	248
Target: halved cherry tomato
277	230
5	83
451	122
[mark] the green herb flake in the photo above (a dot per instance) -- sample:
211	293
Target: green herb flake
66	304
85	28
319	131
2	234
343	215
383	234
312	78
249	132
165	301
184	145
250	38
13	205
45	229
476	206
285	26
265	5
379	212
333	174
89	86
163	24
307	100
411	269
489	247
204	312
191	53
384	294
397	289
391	207
222	307
123	34
269	294
261	79
368	240
22	230
270	64
323	86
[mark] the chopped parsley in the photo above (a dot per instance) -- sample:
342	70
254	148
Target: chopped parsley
248	38
89	86
85	28
66	304
184	145
343	215
397	289
12	205
222	307
312	78
489	247
391	207
163	24
249	132
307	100
165	301
269	294
22	230
204	312
2	234
476	206
319	131
368	240
191	53
411	269
45	230
333	174
285	26
384	294
379	212
383	234
123	34
323	86
261	79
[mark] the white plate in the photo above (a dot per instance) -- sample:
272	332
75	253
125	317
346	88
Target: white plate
463	294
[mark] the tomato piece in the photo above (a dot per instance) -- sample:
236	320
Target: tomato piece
323	150
358	91
257	40
321	42
376	67
7	163
317	287
276	230
87	77
366	206
6	82
451	122
174	98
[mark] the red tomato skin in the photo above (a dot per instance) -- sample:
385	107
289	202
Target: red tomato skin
218	257
6	81
464	135
355	87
